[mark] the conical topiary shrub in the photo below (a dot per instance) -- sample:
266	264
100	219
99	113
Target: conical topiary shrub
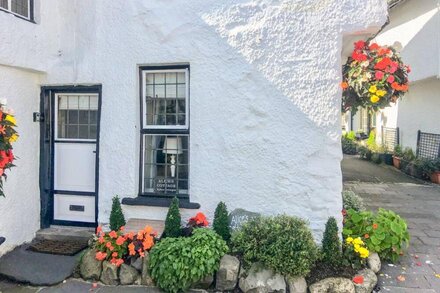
221	222
117	219
173	220
331	244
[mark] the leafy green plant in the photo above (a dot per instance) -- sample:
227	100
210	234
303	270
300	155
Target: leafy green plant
354	253
429	166
408	155
385	233
364	152
375	158
371	141
281	243
331	245
177	263
117	219
398	152
349	146
351	135
351	200
221	222
173	220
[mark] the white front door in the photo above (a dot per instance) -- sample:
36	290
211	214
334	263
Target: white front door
75	132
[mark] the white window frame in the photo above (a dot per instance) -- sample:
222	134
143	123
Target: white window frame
56	117
144	103
14	13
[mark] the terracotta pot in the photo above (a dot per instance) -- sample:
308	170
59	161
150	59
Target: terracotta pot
396	162
435	177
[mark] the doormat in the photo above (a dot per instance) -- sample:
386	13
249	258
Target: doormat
64	247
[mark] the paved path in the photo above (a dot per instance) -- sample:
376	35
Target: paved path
419	203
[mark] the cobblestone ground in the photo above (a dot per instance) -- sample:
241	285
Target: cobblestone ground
419	203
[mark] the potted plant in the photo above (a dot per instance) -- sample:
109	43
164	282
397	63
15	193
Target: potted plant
431	169
407	157
385	155
397	156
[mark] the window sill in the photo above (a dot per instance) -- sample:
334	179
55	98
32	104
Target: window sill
158	202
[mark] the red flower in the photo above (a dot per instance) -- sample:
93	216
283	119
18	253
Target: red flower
199	219
100	255
408	69
122	228
120	240
344	85
366	236
108	244
390	79
383	64
374	46
358	280
101	239
113	234
98	229
344	212
375	226
359	56
379	75
359	45
114	254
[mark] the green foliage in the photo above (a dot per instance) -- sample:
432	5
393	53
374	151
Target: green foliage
385	232
281	243
331	244
371	141
429	166
173	220
117	219
408	155
364	152
349	146
398	152
353	201
351	135
375	158
177	263
221	222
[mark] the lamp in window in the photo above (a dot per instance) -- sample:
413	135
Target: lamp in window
173	147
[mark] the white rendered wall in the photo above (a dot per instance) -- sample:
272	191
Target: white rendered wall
20	210
265	96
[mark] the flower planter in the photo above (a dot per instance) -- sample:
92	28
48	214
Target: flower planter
396	162
435	177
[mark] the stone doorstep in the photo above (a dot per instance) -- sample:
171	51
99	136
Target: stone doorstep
134	225
65	233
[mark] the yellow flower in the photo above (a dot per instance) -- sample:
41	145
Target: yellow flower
374	99
13	138
356	247
349	240
11	119
373	89
381	93
358	241
363	252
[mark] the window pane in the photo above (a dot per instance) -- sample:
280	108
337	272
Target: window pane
4	4
83	132
20	7
73	117
165	163
83	117
165	94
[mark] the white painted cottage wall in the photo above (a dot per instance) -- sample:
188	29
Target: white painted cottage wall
265	106
20	209
415	25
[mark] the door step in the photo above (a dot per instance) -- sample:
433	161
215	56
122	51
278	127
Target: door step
65	233
134	225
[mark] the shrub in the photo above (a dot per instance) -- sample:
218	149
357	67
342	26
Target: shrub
408	155
371	141
282	243
364	152
117	219
375	158
173	220
351	135
348	146
398	151
353	201
221	222
331	245
385	233
177	263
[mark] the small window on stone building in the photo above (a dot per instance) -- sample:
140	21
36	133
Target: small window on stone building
20	8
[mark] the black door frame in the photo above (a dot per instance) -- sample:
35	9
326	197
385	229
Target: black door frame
47	106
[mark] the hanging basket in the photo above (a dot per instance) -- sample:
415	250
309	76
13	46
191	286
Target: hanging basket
8	135
373	77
